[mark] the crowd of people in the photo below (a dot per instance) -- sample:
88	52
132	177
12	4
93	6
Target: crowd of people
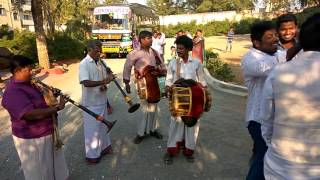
281	72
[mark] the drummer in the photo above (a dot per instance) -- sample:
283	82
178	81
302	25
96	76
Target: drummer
139	59
181	136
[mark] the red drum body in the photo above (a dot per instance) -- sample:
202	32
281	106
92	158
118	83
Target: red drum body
147	85
188	99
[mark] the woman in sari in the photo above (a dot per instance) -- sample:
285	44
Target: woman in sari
198	50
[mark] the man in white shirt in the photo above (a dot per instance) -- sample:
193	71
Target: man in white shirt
181	135
256	66
290	112
156	42
93	78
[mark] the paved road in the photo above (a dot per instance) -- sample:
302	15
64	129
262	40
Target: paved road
222	153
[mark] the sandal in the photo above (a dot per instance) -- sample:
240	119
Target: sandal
138	139
92	161
190	159
168	159
156	134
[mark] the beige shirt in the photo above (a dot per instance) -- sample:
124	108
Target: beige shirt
89	70
139	59
191	70
291	117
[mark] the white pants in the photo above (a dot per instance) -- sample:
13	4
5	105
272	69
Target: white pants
178	132
149	121
95	132
38	159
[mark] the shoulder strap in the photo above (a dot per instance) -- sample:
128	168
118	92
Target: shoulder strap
178	68
158	60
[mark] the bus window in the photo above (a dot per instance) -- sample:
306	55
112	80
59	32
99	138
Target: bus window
107	21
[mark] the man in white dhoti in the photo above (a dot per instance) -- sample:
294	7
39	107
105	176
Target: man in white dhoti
256	66
32	125
290	112
93	77
180	135
139	59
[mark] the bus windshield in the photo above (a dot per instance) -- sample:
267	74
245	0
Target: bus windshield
108	21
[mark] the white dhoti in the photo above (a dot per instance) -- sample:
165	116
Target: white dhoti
149	122
39	159
95	132
181	135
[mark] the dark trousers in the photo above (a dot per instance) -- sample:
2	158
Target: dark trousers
259	149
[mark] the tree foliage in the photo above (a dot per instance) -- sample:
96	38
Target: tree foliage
286	5
168	7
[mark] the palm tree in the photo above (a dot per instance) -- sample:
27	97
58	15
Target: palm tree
42	49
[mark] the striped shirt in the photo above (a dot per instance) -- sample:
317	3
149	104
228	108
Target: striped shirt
230	36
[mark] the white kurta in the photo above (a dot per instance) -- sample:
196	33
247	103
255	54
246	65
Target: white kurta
290	119
256	66
38	159
95	132
178	131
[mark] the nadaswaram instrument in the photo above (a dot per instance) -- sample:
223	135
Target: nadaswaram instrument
132	107
54	92
189	99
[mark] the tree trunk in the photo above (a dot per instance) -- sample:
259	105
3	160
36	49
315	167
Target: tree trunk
37	15
49	18
42	51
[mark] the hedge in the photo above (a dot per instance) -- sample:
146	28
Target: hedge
222	27
60	46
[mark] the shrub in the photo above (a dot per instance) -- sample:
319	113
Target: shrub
211	28
217	68
211	55
244	25
306	13
60	45
77	28
23	43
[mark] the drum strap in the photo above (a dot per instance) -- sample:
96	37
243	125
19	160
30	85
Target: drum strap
158	60
178	66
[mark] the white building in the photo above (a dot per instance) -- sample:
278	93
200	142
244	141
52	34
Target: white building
15	18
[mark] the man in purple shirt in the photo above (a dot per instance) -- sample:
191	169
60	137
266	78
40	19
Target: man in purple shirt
32	124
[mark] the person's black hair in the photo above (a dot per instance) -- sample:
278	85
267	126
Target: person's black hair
180	31
93	43
172	47
309	37
185	41
199	30
144	34
286	18
258	29
18	62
